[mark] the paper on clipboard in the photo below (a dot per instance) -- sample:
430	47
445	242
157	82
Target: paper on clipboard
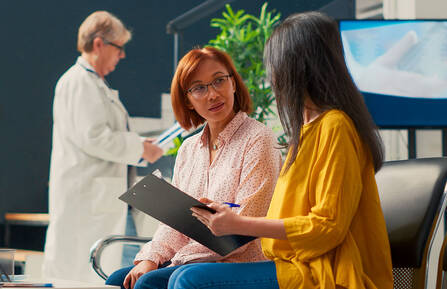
161	200
167	136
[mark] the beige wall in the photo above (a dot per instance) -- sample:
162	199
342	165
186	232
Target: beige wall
431	9
414	9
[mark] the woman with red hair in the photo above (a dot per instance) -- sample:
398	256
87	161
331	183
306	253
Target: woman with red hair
233	160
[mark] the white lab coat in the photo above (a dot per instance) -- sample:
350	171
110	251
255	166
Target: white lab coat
91	151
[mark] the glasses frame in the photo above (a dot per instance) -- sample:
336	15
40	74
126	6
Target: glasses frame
121	48
189	91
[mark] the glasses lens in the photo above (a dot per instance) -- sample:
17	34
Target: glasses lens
219	82
198	91
121	48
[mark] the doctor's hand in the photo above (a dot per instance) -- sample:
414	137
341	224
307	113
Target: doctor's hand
140	269
223	222
151	151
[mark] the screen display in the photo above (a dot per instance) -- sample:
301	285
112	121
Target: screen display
401	68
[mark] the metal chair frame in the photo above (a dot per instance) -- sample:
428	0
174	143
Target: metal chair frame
99	246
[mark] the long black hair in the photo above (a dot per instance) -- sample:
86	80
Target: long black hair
304	57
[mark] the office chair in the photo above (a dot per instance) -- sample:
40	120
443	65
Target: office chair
413	199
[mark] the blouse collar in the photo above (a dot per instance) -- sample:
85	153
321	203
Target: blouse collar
227	133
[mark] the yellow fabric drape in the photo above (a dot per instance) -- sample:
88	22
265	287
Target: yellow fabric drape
329	202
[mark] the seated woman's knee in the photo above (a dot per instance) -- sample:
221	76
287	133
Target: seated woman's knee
117	277
188	276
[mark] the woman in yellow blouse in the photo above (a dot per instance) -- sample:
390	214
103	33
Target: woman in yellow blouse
325	227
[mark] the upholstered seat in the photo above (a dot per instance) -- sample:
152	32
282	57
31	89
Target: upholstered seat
412	194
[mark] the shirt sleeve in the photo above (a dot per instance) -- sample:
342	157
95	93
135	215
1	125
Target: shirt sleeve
92	131
337	184
166	241
260	170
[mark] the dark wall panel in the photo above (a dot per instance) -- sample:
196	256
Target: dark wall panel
39	44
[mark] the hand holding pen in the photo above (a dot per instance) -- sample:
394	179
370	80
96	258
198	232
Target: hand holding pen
220	223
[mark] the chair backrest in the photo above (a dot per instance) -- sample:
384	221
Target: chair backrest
412	194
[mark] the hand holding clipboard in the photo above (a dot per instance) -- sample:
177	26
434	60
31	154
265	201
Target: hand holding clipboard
169	205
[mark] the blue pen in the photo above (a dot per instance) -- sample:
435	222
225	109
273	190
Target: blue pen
231	205
27	285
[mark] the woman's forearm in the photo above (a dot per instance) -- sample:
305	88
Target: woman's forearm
261	227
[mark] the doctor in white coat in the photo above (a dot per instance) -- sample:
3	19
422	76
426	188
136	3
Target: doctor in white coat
92	148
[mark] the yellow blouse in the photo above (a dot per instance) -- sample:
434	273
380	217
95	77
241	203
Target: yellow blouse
328	199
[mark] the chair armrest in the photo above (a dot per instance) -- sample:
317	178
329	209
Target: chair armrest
99	246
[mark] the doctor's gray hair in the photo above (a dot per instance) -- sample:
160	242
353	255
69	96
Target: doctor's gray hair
104	25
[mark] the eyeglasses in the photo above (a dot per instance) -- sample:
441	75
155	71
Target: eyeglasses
121	48
201	90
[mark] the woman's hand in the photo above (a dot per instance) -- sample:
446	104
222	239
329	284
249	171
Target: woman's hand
226	222
141	268
223	222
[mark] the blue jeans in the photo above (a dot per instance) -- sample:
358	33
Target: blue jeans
260	275
152	280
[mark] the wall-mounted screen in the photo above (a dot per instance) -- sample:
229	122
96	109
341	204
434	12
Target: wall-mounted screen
401	68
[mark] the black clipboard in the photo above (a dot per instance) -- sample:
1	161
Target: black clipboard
161	200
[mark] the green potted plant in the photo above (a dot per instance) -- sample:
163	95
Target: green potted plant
243	37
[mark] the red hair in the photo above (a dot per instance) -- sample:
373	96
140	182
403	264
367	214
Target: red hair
187	66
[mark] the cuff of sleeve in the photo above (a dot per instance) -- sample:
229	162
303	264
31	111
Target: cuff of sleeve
137	152
141	256
292	227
